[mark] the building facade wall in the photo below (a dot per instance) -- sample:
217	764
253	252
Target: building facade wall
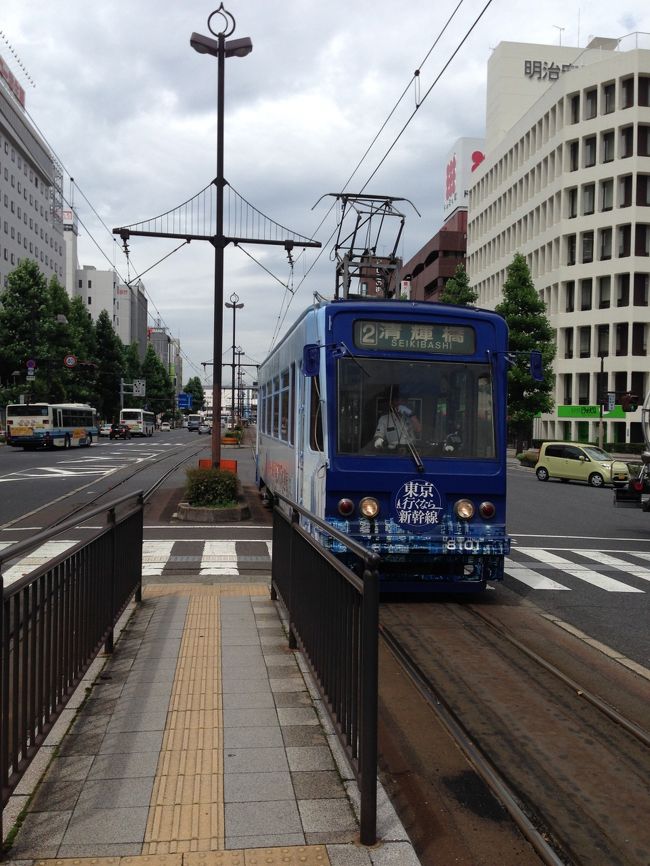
30	197
430	268
569	187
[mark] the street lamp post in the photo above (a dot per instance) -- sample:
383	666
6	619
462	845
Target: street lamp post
219	48
234	306
602	393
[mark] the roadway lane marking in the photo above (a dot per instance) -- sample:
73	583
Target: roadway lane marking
154	556
618	564
531	578
36	558
219	557
581	572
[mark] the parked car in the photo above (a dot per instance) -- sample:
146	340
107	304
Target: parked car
105	429
205	428
572	461
119	431
165	427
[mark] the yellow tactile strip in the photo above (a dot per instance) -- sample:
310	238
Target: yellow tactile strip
312	855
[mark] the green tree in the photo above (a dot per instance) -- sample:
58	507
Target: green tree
110	368
59	343
160	391
132	371
530	329
24	321
82	379
195	388
457	289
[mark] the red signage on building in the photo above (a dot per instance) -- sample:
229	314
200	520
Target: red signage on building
12	81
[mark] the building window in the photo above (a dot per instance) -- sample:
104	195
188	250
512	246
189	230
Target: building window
643	190
621	339
590	151
627	141
584	336
642	239
603	342
571	250
591	101
624	240
643	140
622	290
90	300
605	244
81	284
627	92
638	338
587	247
588	198
641	290
607	146
574	104
609	98
606	194
570	296
585	294
644	90
568	343
573	155
572	202
568	388
625	190
604	292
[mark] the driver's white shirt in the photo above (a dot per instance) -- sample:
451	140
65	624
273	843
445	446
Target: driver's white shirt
396	428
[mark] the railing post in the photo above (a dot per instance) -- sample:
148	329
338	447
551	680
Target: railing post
138	589
111	520
295	518
369	687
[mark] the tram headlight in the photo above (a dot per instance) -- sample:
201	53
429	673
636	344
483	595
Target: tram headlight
346	507
487	510
369	507
464	509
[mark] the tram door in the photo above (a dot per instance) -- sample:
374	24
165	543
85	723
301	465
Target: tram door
300	386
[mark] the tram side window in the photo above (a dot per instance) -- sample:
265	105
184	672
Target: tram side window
292	405
284	405
269	406
276	407
315	417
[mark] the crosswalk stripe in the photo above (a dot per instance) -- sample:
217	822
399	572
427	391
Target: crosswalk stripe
154	556
531	578
219	557
615	562
581	572
37	557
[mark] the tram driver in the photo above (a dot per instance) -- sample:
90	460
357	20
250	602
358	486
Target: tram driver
398	426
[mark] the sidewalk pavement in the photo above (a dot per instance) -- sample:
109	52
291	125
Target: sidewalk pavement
201	740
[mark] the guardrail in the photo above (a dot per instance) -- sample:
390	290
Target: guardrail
333	619
54	622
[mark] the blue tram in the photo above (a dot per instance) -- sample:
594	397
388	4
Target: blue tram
388	420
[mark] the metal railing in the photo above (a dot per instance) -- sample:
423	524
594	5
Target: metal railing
54	621
333	619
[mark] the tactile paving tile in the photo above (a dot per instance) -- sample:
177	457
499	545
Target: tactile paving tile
214	858
299	855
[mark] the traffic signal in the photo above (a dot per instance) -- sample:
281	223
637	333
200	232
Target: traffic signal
629	402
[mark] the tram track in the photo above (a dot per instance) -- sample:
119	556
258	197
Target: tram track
570	768
136	469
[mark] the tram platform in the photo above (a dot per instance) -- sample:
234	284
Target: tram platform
201	740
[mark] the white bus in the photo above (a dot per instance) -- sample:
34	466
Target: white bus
50	425
193	422
139	421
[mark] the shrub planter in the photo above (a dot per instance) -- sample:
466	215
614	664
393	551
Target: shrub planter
230	440
208	514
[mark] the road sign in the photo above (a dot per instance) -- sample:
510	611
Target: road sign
184	400
31	364
70	361
139	387
611	400
30	373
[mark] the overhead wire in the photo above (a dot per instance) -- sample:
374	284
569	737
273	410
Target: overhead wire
414	78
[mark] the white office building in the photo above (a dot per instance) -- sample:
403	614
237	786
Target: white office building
566	182
126	305
30	189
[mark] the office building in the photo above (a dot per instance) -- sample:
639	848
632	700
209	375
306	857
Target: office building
566	182
31	202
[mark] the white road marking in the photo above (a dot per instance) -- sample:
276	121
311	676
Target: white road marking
531	578
37	557
581	572
618	564
154	556
219	557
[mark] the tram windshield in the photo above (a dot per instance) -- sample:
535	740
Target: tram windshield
439	408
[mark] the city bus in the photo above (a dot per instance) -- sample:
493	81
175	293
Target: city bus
193	422
401	443
139	421
50	425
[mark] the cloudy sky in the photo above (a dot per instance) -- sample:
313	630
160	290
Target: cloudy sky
130	111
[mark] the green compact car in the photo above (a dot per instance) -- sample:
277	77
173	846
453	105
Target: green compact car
571	461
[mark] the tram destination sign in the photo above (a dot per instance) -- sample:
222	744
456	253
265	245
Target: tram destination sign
414	337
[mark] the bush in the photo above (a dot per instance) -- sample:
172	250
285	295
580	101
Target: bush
212	488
